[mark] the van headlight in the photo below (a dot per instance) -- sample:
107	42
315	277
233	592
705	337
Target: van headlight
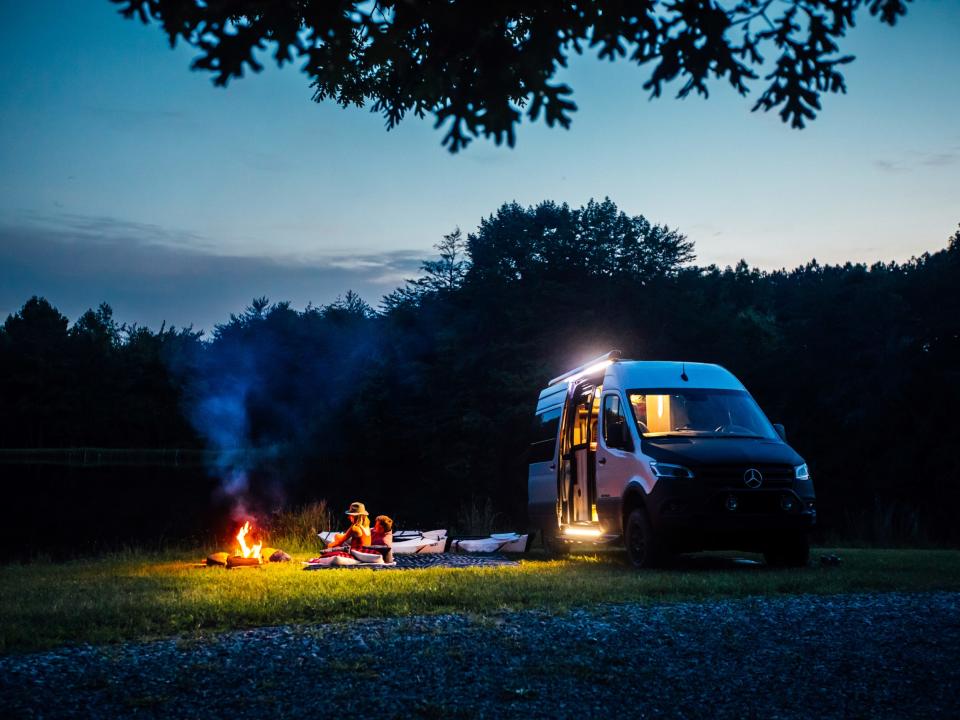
801	472
666	470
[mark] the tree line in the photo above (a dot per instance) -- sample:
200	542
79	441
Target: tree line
422	406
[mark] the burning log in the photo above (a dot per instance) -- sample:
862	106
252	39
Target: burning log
219	558
239	561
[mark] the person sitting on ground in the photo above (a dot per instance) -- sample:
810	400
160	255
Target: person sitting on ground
357	536
382	533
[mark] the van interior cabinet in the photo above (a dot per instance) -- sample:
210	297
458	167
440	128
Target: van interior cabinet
581	490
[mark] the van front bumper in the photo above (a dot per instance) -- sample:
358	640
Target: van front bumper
684	508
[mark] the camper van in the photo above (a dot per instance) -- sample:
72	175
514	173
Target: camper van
665	457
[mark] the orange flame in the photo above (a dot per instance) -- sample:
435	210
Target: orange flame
246	551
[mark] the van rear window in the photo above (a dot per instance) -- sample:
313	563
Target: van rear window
543	439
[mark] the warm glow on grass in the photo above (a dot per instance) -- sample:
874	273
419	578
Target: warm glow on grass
139	595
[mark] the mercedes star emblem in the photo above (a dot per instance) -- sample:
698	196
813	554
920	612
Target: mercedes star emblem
752	478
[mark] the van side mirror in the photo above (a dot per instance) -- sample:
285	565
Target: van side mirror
781	431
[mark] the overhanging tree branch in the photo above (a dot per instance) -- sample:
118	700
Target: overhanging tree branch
479	67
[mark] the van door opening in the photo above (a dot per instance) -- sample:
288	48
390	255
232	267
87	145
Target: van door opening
577	473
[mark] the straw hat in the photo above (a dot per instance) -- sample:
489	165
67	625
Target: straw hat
356	508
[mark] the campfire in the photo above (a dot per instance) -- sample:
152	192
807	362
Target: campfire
245	555
247	552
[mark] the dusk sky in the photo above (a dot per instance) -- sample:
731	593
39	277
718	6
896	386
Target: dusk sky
127	178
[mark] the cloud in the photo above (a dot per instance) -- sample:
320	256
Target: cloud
940	159
106	230
138	117
919	159
889	167
150	274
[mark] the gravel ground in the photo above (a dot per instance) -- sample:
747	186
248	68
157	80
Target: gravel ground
887	655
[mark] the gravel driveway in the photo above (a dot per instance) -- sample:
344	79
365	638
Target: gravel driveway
888	655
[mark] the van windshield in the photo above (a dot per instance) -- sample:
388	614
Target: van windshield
699	412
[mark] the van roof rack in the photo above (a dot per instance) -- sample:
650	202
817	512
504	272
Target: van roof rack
589	367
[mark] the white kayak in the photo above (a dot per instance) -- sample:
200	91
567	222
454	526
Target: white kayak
408	534
327	537
499	542
409	542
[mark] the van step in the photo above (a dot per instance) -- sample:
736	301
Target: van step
604	539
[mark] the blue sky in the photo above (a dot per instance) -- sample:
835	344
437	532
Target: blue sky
126	177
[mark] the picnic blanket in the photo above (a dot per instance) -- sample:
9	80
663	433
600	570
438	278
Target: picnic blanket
418	561
453	560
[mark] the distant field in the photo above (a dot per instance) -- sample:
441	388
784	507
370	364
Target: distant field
138	596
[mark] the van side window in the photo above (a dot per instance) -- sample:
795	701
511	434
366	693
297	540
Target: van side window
543	441
615	432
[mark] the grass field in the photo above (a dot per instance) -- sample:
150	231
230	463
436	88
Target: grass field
139	596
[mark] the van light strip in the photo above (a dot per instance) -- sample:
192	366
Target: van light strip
583	532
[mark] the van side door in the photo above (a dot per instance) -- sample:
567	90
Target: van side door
616	459
542	474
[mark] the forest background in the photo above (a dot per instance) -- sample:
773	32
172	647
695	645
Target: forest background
113	434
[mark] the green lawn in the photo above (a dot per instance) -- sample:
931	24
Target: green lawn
138	596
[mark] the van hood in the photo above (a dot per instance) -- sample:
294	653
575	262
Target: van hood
695	451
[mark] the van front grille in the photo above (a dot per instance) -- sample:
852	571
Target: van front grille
732	476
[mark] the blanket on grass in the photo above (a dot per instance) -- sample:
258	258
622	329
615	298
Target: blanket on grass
413	562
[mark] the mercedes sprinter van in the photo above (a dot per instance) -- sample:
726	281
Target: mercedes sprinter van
665	457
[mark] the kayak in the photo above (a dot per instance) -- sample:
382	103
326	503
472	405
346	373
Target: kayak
500	542
407	534
408	542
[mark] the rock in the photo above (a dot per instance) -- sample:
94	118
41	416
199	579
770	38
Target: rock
219	558
279	556
267	553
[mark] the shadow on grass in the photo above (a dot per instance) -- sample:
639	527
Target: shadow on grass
695	562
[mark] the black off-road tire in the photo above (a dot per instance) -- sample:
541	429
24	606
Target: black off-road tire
643	551
789	552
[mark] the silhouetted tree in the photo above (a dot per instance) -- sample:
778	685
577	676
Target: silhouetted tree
38	329
35	370
555	241
477	66
443	275
351	307
97	327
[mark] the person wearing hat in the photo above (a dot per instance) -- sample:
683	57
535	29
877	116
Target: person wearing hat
357	536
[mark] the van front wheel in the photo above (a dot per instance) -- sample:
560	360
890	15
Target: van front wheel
640	541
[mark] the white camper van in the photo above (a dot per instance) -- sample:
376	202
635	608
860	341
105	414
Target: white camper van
665	457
